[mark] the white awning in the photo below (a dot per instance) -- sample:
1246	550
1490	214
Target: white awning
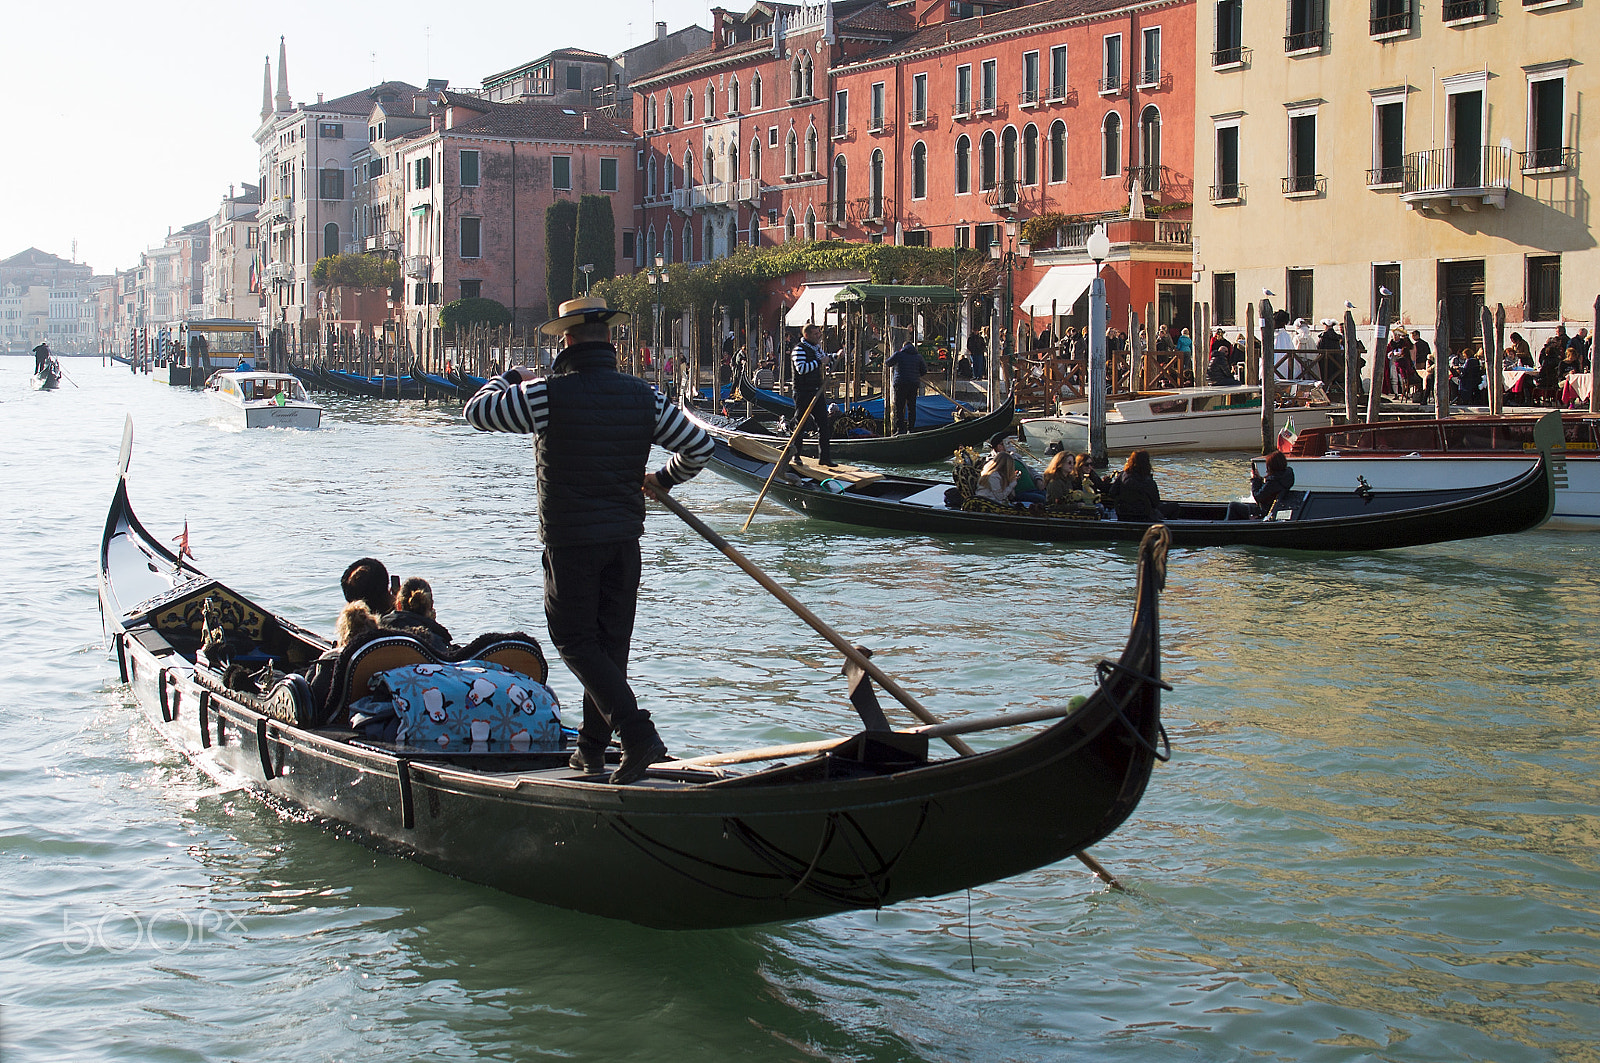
814	302
1062	285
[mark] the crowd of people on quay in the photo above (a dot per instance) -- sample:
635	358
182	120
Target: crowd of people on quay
1408	366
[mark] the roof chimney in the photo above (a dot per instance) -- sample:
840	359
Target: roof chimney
585	121
661	30
319	97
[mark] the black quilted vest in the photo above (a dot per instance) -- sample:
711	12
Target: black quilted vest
592	454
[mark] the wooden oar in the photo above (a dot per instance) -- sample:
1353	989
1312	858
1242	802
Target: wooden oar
783	459
841	644
822	745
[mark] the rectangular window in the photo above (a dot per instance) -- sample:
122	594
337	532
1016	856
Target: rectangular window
985	234
877	105
574	77
1544	287
1111	64
1390	18
1307	22
1300	293
469	169
627	243
772	136
1058	72
1222	298
1227	188
1388	141
561	171
919	97
331	185
841	113
1302	154
1230	34
471	237
1547	122
1386	275
1030	78
422	173
608	174
331	130
963	90
963	238
989	86
471	289
1150	72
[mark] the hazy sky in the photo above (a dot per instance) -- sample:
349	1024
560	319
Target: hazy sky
130	119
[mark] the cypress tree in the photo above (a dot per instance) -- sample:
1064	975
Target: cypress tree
596	241
560	232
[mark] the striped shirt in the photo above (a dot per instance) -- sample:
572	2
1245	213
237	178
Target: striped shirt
500	406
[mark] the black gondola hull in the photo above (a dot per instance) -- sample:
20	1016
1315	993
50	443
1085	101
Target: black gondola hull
1347	522
690	848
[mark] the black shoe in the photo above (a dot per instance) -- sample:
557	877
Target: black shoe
588	761
635	762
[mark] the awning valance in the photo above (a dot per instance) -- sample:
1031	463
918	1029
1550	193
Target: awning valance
898	293
1062	285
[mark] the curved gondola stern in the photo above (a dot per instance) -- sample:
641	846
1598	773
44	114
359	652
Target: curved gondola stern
1549	435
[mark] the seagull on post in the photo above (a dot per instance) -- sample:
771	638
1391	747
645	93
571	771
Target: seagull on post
1269	293
1348	305
1384	291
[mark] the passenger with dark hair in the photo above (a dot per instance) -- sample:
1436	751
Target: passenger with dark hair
367	580
1137	496
1273	489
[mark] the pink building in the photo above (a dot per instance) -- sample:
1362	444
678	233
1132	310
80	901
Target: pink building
477	181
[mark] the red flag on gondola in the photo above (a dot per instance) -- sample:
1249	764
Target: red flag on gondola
183	543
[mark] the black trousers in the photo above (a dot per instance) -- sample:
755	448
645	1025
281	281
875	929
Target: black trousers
905	404
591	594
819	420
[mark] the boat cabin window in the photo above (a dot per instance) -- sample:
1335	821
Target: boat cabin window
1168	406
1402	438
1480	436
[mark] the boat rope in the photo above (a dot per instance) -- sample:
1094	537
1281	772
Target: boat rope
1103	672
823	841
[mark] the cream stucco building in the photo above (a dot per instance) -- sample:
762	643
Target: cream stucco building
1434	149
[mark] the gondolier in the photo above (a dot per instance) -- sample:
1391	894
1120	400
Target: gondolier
592	428
808	361
907	368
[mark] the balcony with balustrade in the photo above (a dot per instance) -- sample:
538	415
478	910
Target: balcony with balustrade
1444	179
1125	233
419	267
277	271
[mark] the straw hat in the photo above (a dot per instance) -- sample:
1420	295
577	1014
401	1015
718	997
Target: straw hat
584	310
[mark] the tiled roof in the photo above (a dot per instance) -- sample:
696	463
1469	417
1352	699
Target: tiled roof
538	121
33	258
360	103
1018	18
878	18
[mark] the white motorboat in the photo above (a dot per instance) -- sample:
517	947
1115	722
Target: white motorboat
1209	418
265	400
1451	454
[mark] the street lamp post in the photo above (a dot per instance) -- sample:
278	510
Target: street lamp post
1099	249
657	276
587	269
1014	249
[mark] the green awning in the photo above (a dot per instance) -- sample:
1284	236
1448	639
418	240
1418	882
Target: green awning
897	293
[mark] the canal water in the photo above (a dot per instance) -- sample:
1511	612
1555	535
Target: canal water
1376	838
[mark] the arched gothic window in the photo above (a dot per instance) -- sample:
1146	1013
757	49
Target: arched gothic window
963	165
1058	152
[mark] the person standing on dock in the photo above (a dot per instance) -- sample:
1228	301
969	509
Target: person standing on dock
907	368
808	361
592	429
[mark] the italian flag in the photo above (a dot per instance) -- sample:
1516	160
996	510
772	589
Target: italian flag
1287	435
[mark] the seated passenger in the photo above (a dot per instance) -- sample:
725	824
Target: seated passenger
997	481
1271	490
1027	486
1071	478
368	581
1137	496
354	619
413	615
